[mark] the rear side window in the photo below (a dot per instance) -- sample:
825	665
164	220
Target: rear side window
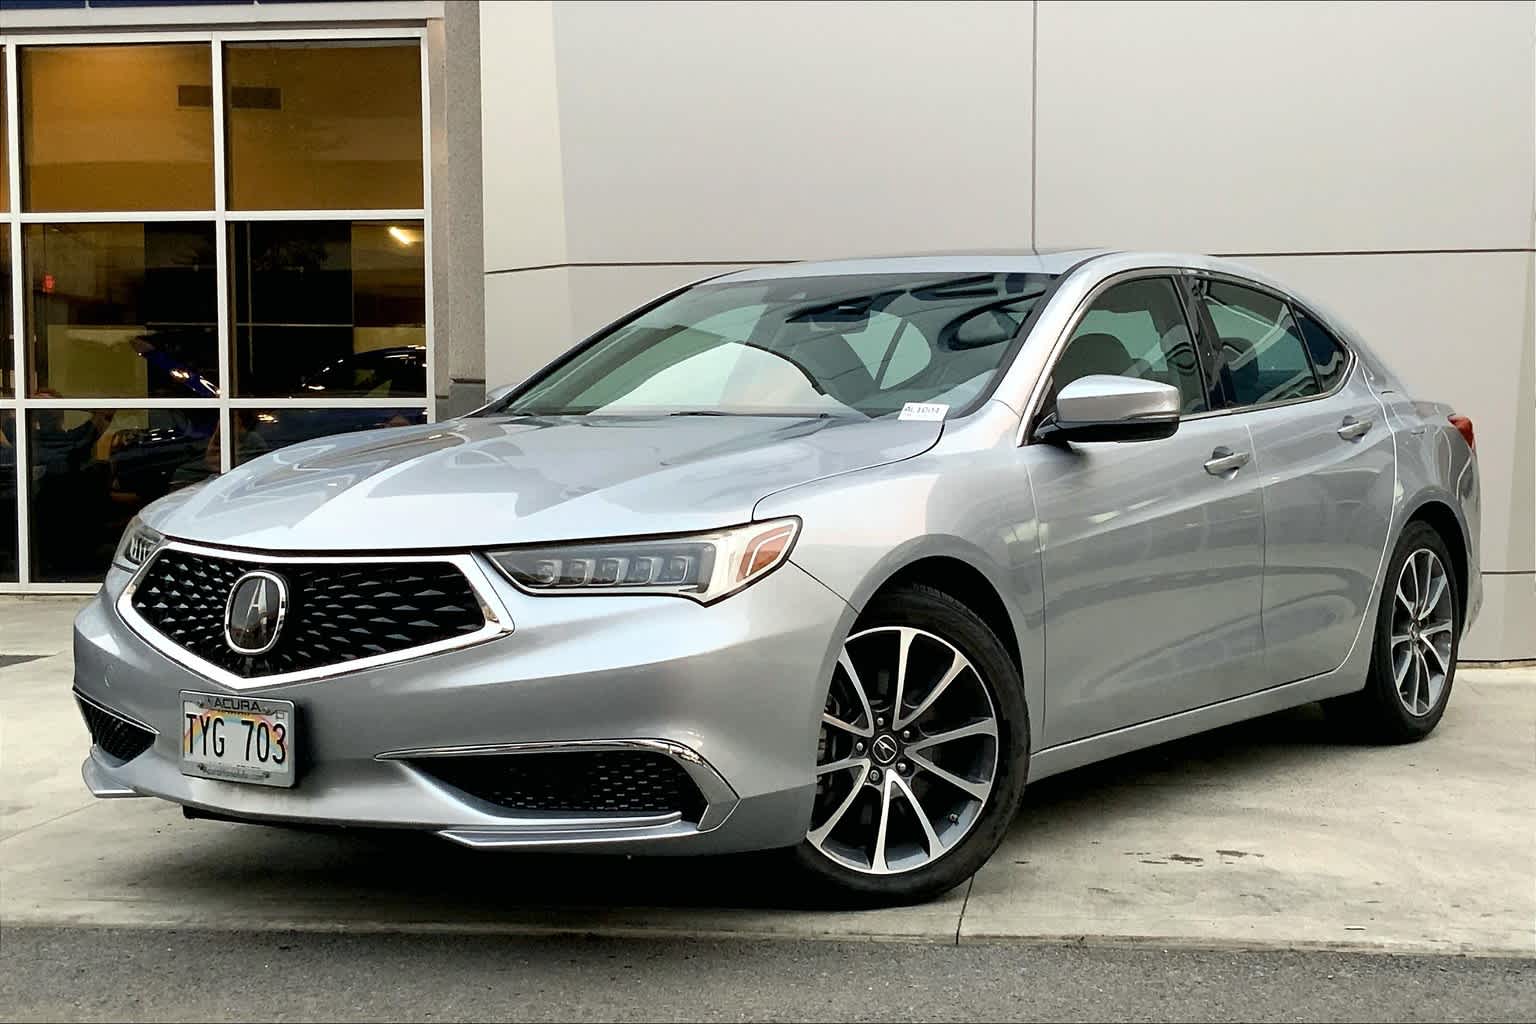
1262	358
1328	355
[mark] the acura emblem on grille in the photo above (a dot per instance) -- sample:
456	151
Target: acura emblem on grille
254	614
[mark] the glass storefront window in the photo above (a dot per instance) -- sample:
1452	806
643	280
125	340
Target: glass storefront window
258	431
324	125
117	127
7	349
93	469
5	153
122	310
7	496
331	309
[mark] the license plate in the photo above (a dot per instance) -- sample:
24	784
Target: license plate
237	739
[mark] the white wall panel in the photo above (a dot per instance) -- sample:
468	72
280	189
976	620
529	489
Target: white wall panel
524	188
1296	127
790	130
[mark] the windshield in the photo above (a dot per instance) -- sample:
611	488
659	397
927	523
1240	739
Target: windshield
861	345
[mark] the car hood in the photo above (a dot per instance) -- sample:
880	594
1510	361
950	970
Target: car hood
485	481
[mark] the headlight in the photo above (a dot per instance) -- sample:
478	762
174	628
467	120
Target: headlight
138	543
703	566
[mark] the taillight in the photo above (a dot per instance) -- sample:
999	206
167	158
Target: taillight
1463	426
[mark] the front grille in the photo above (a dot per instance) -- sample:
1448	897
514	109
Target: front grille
593	782
117	736
337	612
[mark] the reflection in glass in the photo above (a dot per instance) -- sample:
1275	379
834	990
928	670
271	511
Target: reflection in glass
332	309
122	310
7	370
5	156
93	469
258	431
7	496
324	126
117	127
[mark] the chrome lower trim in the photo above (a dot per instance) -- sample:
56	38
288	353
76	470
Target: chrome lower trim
498	622
102	787
719	798
120	716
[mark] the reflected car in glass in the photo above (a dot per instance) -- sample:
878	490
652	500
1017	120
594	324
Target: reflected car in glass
827	558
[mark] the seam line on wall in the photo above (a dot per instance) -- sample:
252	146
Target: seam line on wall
1369	252
1508	572
1034	126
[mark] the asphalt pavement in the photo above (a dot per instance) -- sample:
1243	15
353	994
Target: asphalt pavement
90	974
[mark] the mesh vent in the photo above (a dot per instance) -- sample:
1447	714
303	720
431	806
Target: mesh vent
118	737
337	612
597	782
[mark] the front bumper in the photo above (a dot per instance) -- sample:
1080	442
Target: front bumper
732	691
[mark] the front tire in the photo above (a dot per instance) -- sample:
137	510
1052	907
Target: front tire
1418	634
922	755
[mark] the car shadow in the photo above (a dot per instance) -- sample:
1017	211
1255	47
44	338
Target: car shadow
410	876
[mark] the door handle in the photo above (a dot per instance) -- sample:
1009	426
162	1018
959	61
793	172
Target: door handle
1354	427
1225	460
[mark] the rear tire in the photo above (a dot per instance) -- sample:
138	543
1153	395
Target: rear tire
925	715
1417	637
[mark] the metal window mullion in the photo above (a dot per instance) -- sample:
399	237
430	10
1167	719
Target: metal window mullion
221	256
18	317
327	403
298	215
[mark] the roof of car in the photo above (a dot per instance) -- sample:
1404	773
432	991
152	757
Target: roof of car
998	261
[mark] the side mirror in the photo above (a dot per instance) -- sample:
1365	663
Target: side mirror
1101	407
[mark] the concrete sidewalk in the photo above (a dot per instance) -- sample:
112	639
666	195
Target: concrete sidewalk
1270	833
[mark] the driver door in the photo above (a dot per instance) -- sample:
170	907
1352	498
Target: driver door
1152	551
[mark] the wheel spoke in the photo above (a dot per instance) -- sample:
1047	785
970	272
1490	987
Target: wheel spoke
878	860
903	651
1443	659
818	835
1418	675
1398	639
858	690
1422	569
1434	629
975	790
862	763
1436	592
985	727
957	666
935	844
838	723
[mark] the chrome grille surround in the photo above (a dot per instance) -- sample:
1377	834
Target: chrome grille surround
497	622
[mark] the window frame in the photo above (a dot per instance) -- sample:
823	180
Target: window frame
1041	394
214	36
1207	329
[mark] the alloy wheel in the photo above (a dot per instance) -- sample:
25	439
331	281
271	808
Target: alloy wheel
1423	621
908	752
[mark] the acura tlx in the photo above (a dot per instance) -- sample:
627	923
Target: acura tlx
824	558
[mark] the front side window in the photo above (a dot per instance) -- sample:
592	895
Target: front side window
1136	329
1261	355
857	345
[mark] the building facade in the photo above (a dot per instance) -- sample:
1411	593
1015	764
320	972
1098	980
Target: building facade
226	227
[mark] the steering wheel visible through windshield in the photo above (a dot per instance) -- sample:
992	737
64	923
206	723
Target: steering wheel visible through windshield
860	345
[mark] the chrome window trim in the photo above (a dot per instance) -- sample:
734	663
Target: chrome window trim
1037	392
113	712
719	798
498	622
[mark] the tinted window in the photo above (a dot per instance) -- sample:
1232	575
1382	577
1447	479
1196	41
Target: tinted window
855	345
1328	356
1136	329
1261	355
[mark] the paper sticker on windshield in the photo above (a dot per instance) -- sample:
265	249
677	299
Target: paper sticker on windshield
931	411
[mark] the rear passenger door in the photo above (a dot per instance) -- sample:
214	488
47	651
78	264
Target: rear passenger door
1325	464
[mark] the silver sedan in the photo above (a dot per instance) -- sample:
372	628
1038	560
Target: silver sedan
828	558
